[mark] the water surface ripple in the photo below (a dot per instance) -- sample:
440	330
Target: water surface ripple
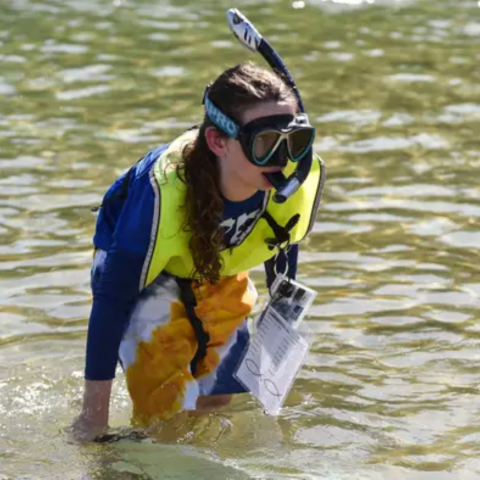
390	388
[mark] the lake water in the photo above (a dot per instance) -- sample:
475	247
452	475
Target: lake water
390	387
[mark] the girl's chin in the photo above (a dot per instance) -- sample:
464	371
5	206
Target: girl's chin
266	185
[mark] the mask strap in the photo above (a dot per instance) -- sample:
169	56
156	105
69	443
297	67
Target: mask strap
205	94
218	117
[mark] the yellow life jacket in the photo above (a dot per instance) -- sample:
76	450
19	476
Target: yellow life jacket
169	249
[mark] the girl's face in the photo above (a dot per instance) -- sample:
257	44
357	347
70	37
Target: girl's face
239	178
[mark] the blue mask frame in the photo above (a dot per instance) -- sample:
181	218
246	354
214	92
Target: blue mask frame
285	125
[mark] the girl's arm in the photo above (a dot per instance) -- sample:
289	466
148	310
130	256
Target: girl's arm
123	234
115	289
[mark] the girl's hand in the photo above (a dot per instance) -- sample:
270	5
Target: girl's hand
93	420
86	429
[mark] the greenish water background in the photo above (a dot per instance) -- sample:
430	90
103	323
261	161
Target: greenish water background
390	388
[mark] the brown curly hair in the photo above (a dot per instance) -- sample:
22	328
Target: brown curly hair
234	91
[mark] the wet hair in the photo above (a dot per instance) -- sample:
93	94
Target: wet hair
236	90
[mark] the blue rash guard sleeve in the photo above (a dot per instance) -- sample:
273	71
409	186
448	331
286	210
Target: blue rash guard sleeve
114	287
123	231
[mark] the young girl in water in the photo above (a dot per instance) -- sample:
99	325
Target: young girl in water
175	239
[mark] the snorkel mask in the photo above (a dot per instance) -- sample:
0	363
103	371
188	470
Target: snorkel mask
267	141
273	140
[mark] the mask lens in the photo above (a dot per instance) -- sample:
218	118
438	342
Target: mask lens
263	145
299	141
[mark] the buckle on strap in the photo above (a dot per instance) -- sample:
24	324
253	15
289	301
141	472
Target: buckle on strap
282	234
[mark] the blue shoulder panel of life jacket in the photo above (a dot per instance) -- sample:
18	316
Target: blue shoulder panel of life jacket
115	197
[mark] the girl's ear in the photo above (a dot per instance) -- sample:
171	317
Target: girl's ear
216	141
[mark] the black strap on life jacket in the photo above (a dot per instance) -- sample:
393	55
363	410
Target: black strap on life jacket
188	298
282	234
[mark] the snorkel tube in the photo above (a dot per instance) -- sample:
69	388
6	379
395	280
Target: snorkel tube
249	37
